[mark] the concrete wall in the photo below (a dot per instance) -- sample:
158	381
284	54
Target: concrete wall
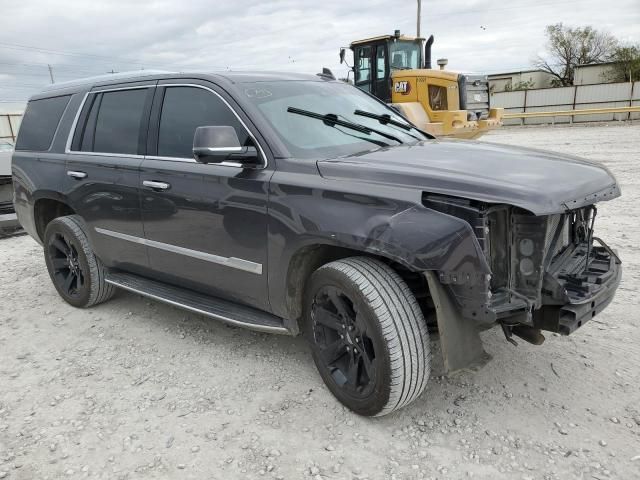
570	98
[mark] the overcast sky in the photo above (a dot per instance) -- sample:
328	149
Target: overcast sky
80	38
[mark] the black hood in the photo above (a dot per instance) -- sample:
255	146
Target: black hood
539	181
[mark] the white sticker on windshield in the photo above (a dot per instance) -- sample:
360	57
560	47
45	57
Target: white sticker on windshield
257	93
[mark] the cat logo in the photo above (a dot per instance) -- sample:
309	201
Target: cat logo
403	87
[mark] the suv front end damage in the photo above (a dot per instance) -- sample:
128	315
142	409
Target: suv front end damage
548	272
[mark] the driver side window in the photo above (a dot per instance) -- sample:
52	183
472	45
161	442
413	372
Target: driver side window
186	108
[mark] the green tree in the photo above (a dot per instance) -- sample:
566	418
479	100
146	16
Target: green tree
626	66
569	47
522	85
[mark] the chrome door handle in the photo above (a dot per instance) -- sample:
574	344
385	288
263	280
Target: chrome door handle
156	185
76	174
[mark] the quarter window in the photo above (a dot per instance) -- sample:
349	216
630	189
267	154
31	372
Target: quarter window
40	123
186	108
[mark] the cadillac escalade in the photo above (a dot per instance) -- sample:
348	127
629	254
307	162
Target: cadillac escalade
291	204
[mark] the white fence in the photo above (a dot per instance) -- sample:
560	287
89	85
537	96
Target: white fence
9	124
570	98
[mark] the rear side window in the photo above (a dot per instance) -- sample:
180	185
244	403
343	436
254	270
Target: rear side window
40	123
113	122
186	108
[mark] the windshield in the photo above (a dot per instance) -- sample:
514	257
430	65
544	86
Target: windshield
307	137
404	55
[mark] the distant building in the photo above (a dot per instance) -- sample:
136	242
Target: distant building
505	82
593	73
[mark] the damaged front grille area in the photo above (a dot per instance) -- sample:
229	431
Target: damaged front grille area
536	262
534	244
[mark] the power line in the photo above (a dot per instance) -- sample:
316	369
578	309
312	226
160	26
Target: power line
17	46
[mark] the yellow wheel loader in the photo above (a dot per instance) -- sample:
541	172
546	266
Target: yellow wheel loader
443	103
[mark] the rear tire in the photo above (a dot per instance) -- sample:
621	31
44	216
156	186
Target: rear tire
368	336
75	271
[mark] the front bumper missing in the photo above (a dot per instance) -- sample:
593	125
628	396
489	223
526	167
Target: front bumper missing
572	295
459	335
589	294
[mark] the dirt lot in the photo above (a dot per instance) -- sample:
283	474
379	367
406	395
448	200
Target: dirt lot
136	389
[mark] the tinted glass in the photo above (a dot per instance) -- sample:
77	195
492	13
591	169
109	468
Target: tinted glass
87	135
186	108
40	123
119	120
307	137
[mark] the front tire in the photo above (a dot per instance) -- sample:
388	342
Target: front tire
75	271
368	336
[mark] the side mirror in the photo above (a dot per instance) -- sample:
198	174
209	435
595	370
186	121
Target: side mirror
342	53
218	144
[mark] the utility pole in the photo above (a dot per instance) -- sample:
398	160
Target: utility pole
418	19
51	74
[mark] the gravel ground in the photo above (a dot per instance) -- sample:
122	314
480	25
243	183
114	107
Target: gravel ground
136	389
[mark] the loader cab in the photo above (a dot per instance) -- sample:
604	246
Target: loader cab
375	60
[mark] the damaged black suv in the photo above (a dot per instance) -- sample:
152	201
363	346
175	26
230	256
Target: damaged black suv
292	203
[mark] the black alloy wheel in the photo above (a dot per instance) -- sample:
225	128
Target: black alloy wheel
367	334
68	275
343	342
77	274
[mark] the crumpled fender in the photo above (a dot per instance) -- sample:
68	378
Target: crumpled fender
422	239
400	229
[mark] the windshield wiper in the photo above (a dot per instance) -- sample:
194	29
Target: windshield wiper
331	120
385	119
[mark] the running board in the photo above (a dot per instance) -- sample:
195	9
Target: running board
223	310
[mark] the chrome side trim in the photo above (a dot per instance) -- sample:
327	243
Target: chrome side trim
231	321
233	262
98	154
67	147
171	159
193	160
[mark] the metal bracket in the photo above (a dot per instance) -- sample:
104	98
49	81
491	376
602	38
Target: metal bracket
459	337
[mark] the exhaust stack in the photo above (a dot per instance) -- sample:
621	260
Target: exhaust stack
427	52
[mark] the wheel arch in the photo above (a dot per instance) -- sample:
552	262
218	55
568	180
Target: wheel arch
307	259
46	209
